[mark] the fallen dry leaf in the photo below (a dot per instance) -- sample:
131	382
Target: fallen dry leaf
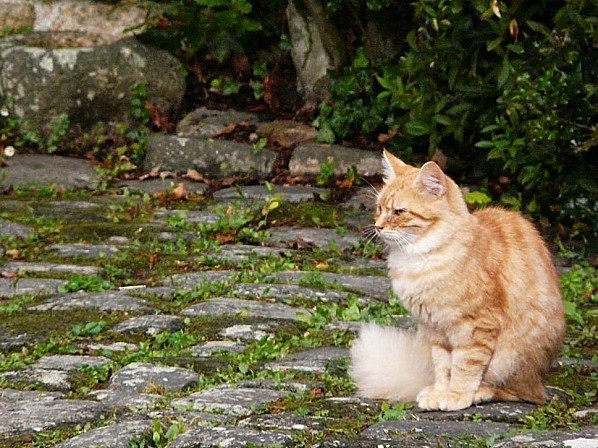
179	192
195	175
13	253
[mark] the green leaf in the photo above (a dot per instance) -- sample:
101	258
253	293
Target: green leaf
538	27
443	119
326	135
361	60
386	84
485	144
416	129
494	44
505	71
572	312
478	198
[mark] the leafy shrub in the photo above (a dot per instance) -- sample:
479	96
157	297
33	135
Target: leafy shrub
512	83
218	27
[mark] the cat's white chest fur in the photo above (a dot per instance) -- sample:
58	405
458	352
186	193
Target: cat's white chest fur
418	284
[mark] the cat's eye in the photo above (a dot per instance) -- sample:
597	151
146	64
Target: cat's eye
398	211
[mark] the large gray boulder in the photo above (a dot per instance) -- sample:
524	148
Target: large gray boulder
112	21
45	75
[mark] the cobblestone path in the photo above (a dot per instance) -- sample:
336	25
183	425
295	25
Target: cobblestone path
131	320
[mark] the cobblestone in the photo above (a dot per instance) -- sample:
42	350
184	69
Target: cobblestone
236	340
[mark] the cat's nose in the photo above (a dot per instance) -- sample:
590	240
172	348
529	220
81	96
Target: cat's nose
379	228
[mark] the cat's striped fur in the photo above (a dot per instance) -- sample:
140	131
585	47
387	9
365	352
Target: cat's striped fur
482	288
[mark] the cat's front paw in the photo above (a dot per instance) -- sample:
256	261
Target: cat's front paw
428	398
433	400
453	401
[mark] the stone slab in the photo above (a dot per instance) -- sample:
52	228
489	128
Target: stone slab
20	267
583	438
373	286
189	216
125	400
92	251
285	292
70	362
307	160
287	421
231	437
229	400
206	123
505	412
109	347
291	193
247	333
211	158
226	306
210	348
199	278
33	286
239	253
151	324
316	360
14	229
118	434
50	379
158	186
37	169
102	301
436	433
309	238
141	377
15	395
27	416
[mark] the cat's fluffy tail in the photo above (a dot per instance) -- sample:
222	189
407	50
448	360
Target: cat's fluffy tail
390	363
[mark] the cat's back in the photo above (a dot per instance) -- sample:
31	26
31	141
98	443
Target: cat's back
511	245
500	228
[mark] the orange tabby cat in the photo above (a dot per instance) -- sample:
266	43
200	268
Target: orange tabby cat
481	287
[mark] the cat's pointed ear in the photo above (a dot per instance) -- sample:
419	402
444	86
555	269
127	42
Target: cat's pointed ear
391	166
432	179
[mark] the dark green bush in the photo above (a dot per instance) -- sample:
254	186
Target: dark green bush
513	83
217	28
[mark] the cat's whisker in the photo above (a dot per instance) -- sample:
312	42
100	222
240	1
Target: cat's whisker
372	190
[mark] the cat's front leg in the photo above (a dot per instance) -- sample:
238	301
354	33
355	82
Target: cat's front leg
429	398
467	370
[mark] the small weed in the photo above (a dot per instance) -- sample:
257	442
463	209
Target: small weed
554	415
394	411
161	434
88	329
178	222
89	283
176	340
58	129
326	173
259	145
225	86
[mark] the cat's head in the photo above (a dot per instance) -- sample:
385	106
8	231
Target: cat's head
416	205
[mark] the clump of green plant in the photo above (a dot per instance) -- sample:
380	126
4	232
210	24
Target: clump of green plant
88	329
49	141
161	434
218	27
553	415
89	283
